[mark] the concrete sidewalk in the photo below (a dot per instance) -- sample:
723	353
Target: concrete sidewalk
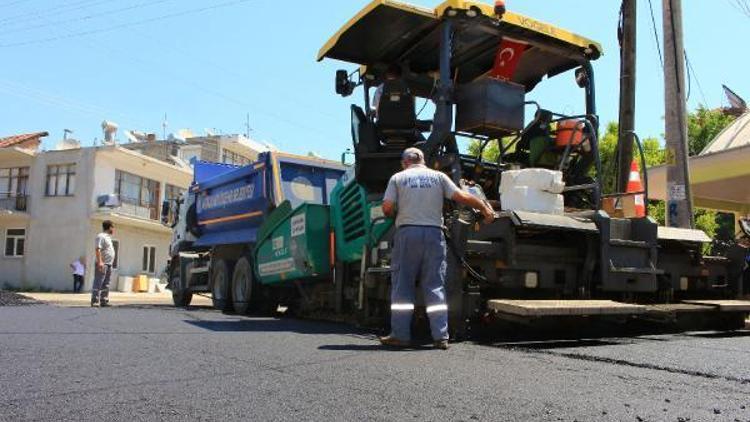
115	299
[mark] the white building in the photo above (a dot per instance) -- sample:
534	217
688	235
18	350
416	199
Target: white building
49	212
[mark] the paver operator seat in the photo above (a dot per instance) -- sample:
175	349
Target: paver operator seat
379	143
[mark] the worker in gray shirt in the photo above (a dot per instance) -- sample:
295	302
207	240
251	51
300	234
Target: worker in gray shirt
105	258
415	198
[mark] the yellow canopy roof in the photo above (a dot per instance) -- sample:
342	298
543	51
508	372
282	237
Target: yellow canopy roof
388	31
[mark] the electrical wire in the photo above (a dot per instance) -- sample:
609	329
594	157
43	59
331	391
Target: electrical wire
693	73
86	17
656	34
13	3
126	25
689	77
51	11
742	6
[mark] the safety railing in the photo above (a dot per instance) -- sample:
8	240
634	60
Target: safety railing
14	202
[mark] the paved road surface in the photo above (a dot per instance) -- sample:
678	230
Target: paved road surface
155	362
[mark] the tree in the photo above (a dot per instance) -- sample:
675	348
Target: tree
652	151
490	153
704	126
743	6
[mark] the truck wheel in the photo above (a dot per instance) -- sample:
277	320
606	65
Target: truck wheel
242	286
181	296
220	286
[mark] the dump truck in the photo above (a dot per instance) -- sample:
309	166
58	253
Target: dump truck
560	246
228	210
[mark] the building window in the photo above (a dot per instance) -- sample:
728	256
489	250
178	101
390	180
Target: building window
230	157
172	194
140	193
15	240
116	246
149	259
61	180
13	182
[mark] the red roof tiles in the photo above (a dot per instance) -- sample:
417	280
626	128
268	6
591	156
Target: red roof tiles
21	139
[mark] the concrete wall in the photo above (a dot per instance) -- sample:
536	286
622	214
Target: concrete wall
60	229
132	240
12	269
58	224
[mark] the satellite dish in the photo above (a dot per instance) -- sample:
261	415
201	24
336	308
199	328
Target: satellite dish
110	129
68	143
131	137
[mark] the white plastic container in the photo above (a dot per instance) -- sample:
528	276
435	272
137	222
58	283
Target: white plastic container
538	179
532	190
125	284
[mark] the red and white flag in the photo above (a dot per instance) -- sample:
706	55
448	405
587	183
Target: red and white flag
507	59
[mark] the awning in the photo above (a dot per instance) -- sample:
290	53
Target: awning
720	175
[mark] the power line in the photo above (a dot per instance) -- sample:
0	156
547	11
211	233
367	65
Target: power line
126	25
656	34
13	3
742	5
87	17
57	101
691	73
58	10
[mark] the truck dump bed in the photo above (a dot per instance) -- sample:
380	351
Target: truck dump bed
232	202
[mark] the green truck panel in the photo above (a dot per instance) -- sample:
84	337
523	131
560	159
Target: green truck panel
355	220
295	245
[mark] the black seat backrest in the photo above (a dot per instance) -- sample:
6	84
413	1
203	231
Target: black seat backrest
364	134
396	107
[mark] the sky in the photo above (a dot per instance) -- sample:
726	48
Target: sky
206	65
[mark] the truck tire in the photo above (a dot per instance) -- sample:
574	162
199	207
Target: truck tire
181	296
220	291
242	286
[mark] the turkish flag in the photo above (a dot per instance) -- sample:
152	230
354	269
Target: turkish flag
507	59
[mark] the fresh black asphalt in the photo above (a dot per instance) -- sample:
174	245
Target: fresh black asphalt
161	363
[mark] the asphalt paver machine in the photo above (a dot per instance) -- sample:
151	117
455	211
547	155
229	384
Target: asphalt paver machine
477	68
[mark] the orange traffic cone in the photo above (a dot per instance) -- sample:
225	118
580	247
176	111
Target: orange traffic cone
635	185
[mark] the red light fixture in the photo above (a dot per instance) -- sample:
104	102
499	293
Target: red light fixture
499	8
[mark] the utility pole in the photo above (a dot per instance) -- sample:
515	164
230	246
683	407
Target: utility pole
627	35
247	126
679	197
164	127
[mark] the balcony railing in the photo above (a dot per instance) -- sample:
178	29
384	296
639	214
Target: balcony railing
14	203
146	213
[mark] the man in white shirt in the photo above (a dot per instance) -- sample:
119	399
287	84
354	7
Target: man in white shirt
105	257
79	271
415	198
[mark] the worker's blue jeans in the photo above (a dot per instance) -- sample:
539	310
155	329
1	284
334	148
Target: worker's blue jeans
418	253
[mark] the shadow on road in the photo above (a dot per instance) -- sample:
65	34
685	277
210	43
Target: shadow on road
373	347
276	325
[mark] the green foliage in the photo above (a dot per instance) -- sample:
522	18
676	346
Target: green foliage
703	126
652	150
658	211
490	153
706	220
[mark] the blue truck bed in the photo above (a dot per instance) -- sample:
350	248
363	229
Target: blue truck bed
232	202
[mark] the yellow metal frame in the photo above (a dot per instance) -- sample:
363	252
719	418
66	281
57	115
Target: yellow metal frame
515	19
362	13
522	22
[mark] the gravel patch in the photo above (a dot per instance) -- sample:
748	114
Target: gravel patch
15	299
